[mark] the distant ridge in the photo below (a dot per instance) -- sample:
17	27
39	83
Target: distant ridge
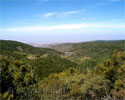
9	46
49	45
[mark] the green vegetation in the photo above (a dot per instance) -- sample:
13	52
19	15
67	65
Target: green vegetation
86	65
96	50
21	50
51	64
42	74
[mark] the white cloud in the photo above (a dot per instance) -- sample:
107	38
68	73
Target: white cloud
70	12
49	14
65	27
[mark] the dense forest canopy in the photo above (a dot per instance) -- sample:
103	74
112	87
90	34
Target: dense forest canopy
14	48
92	71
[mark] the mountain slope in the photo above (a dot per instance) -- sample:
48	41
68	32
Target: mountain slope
45	60
8	47
94	49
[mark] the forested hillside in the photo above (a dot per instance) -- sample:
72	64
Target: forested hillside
45	74
43	60
94	50
14	48
65	47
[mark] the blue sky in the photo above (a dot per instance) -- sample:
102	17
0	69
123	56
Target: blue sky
52	21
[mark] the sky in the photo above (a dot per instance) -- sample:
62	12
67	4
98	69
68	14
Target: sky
58	21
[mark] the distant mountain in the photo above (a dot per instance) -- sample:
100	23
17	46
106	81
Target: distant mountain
43	45
76	52
93	49
35	44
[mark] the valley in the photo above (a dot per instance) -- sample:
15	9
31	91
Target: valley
71	68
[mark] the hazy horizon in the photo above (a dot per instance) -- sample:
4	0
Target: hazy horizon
56	43
61	21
